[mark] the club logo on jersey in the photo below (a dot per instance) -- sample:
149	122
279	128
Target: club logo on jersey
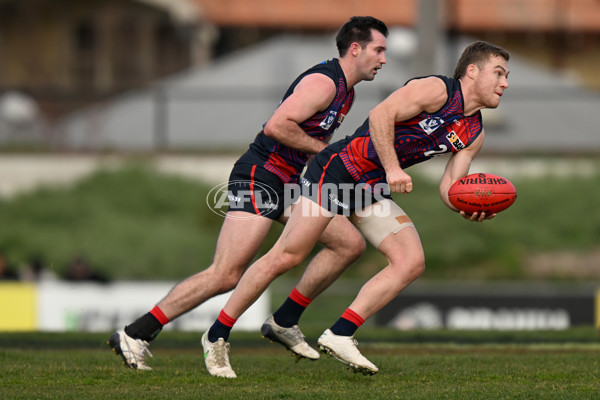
455	140
329	120
429	125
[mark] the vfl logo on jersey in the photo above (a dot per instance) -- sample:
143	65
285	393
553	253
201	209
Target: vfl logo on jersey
329	120
429	125
455	140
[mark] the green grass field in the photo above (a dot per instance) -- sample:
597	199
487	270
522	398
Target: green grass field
413	365
136	224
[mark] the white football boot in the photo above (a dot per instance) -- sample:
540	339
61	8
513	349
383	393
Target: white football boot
344	349
292	338
216	357
133	351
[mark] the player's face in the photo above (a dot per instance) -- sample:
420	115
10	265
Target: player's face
372	56
492	80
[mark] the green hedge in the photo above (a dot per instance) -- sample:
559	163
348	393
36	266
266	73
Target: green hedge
134	223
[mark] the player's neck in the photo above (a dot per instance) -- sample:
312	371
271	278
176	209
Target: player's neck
349	73
471	103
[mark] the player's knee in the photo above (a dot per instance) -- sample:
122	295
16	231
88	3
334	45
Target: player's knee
355	246
275	262
353	240
229	283
350	246
226	278
410	268
283	261
416	267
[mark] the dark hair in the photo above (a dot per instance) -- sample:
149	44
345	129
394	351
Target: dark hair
358	30
477	53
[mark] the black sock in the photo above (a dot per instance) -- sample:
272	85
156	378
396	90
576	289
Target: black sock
145	327
288	314
218	330
343	327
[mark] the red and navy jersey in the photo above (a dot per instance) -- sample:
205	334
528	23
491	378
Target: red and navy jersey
416	140
288	163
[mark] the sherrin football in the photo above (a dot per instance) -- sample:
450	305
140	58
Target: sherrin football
482	192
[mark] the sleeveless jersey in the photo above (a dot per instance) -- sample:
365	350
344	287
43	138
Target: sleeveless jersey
416	140
288	163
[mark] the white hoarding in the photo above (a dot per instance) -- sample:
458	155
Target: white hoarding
91	307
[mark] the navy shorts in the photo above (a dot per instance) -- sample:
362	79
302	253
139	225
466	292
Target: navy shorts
255	190
328	183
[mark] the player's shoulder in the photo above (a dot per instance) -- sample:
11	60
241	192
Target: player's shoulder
431	82
330	68
430	92
317	81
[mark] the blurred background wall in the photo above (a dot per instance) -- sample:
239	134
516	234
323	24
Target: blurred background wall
145	75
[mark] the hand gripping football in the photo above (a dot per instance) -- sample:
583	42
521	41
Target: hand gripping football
482	192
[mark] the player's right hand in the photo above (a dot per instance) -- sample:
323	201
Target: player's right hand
399	181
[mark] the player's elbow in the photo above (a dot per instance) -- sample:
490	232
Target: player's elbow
444	199
271	130
444	188
374	113
268	130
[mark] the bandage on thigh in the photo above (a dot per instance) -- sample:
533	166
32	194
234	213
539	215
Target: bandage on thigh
381	220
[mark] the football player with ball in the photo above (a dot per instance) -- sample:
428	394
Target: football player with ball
310	112
427	116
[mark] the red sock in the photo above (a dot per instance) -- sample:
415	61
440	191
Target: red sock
353	317
300	298
226	319
159	315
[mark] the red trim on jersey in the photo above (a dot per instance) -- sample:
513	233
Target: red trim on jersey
353	317
252	198
281	167
299	298
159	315
358	156
226	319
323	177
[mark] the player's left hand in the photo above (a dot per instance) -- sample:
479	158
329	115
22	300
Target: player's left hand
477	217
